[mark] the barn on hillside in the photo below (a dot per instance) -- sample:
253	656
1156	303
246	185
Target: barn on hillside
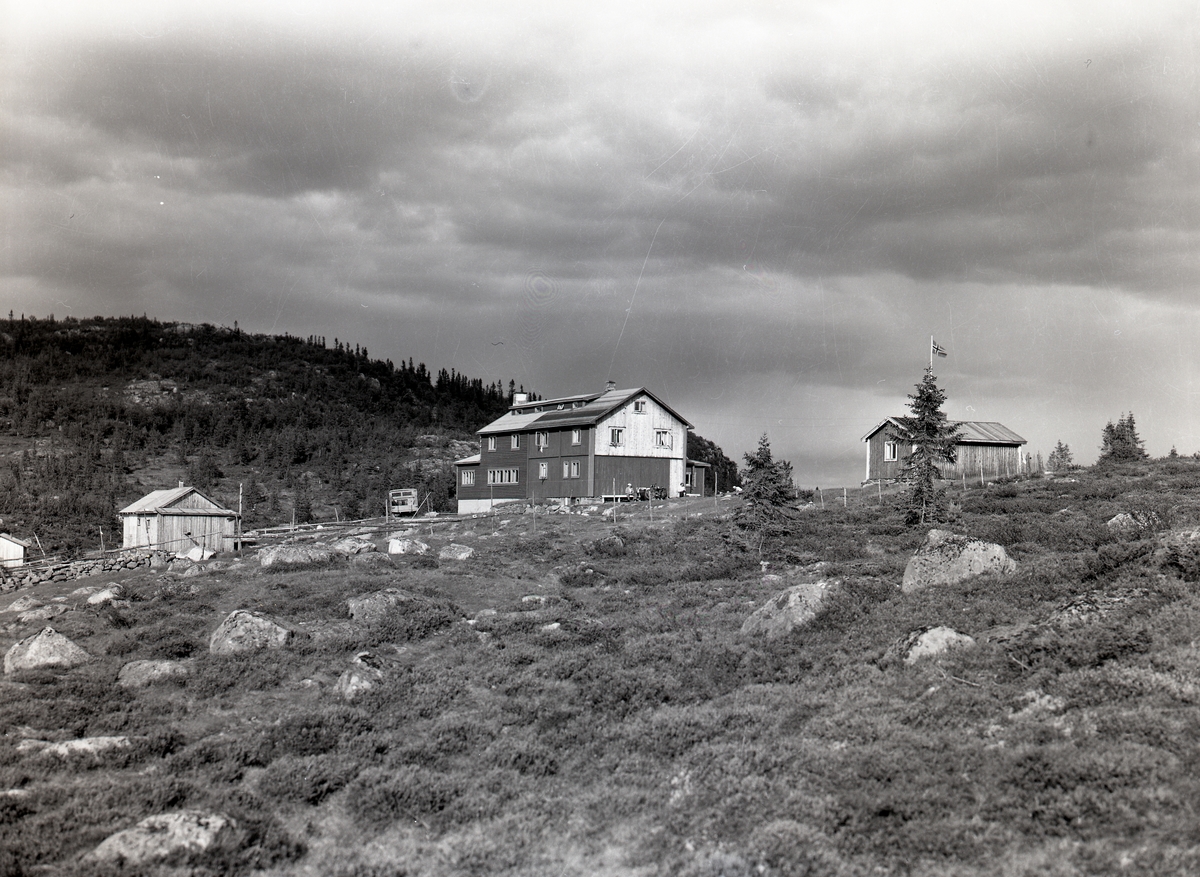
178	520
986	449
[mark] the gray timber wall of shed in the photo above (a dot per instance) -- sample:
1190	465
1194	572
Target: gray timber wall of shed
216	532
995	461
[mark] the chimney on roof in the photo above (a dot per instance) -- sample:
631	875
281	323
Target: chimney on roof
181	484
610	386
520	398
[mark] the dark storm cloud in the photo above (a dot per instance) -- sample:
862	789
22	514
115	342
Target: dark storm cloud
734	210
268	117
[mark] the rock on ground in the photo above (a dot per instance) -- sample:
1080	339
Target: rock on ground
184	834
93	746
42	613
947	558
139	674
407	546
45	649
243	631
789	609
23	604
365	674
369	608
934	642
351	546
112	592
454	551
292	555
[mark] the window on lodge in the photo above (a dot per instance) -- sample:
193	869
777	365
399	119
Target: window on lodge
516	441
890	452
543	471
491	443
639	406
576	436
503	476
468	477
662	438
541	439
574	468
570	469
616	436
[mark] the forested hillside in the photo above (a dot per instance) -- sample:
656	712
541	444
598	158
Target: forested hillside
95	413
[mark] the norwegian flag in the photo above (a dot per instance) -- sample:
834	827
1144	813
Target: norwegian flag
938	350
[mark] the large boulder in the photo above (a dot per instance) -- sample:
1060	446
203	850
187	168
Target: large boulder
947	558
243	632
364	674
139	674
107	595
183	835
23	604
454	551
933	642
84	746
370	608
43	613
351	546
789	609
407	546
197	553
293	555
47	649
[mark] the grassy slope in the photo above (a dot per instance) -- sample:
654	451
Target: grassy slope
645	735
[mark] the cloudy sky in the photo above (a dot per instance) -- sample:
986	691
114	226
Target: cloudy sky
761	211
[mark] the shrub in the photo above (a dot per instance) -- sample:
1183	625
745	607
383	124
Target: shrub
405	793
308	779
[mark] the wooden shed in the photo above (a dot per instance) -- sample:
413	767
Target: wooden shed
12	550
986	450
178	520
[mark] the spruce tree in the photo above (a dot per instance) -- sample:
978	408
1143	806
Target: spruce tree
767	491
933	440
1119	442
1060	458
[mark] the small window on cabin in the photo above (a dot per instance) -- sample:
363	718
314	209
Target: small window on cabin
687	478
516	441
576	436
491	443
617	436
890	452
639	407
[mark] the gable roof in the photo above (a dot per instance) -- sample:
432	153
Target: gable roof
974	432
10	538
160	501
581	410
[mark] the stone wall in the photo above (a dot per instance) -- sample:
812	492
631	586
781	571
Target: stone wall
27	576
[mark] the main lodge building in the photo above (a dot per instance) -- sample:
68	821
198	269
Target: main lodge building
588	446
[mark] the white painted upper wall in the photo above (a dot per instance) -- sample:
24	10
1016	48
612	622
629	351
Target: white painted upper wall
639	431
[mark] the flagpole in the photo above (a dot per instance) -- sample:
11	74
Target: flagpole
931	353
